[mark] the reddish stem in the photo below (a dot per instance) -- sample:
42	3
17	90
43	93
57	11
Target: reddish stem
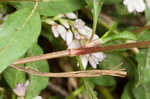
81	51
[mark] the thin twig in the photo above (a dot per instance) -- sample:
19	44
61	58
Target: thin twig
87	73
81	51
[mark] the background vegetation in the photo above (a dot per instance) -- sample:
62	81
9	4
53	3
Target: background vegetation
24	32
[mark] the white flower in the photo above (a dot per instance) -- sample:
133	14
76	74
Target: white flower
60	30
87	32
20	89
71	15
78	23
93	58
77	36
83	30
69	37
74	44
38	97
134	5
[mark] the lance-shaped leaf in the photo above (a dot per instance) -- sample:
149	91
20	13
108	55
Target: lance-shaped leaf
95	6
124	35
37	83
17	35
51	7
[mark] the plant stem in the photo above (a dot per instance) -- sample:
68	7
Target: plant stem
81	51
87	73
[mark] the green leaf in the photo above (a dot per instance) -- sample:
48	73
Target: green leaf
3	8
89	89
17	35
114	26
95	6
13	77
37	83
143	36
127	92
147	13
143	59
123	35
52	7
121	9
113	60
142	91
104	81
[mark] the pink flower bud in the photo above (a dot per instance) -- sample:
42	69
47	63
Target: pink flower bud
54	30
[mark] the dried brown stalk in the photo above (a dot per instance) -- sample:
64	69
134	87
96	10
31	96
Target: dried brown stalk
87	73
81	51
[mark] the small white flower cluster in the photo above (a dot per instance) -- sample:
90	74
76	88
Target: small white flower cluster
77	35
136	5
63	28
20	89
